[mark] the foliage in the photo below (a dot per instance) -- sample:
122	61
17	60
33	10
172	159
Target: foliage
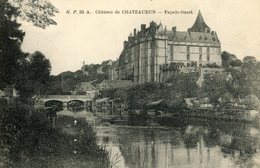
137	96
249	60
28	140
244	82
236	63
39	12
227	59
11	38
214	65
184	85
33	76
66	82
252	101
28	73
215	88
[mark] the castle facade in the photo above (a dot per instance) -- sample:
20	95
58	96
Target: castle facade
148	50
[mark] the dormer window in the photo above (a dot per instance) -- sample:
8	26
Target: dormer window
185	38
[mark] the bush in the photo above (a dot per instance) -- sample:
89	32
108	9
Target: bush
28	139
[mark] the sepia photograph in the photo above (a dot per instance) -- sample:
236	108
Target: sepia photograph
129	84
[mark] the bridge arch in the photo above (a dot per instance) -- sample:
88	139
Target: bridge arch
54	104
76	105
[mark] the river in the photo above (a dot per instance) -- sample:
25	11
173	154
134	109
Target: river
172	143
182	145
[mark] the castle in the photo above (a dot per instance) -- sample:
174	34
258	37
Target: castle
147	51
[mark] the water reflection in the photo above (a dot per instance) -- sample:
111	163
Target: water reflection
209	145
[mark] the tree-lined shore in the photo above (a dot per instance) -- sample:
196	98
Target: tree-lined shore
28	137
236	87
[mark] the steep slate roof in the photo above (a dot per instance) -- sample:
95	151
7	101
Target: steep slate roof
118	83
2	93
86	86
197	33
183	36
199	25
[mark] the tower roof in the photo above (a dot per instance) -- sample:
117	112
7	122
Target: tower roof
200	25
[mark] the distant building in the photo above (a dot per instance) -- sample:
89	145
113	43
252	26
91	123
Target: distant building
113	71
219	74
100	70
147	50
108	62
2	93
84	69
109	84
87	89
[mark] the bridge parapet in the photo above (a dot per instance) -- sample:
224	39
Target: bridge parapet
65	99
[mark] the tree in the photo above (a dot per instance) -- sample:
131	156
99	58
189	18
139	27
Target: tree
39	12
236	63
227	58
184	85
249	60
215	86
10	42
33	76
252	101
11	57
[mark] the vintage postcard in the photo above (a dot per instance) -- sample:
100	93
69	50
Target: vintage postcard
129	84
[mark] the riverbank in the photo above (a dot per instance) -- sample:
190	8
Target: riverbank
184	144
143	118
29	139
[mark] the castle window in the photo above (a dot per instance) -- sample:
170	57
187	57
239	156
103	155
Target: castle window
188	64
188	56
188	49
200	38
206	38
194	50
200	58
204	50
171	48
171	52
208	58
186	38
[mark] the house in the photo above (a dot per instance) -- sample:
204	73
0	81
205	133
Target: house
212	71
113	71
86	88
100	70
107	63
109	84
104	105
2	94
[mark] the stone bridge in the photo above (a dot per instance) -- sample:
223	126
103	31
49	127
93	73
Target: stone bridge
67	102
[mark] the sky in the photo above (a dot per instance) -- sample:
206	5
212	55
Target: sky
94	38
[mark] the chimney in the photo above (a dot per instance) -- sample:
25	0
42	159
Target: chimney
174	29
152	24
143	27
125	43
